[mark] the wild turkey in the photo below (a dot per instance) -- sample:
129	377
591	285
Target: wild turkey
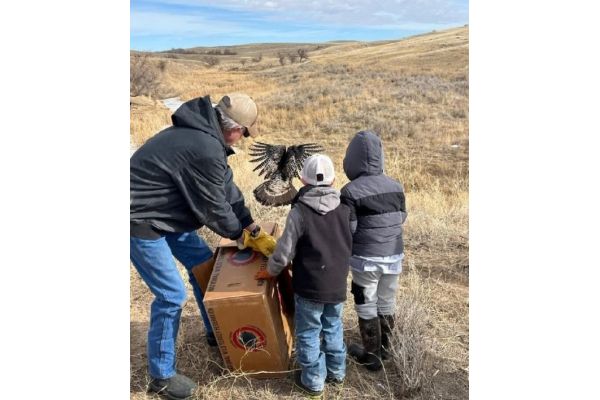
279	166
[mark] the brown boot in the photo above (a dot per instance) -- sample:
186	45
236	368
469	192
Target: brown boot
370	353
387	326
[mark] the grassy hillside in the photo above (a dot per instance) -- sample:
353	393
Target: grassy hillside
414	92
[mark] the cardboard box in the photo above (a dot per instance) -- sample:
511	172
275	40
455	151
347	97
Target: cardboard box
252	325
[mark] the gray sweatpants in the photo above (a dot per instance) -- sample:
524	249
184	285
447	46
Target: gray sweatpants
374	293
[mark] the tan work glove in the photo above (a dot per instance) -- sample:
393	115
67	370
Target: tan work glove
258	241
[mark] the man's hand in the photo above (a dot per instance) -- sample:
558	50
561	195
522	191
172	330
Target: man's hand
263	274
259	241
253	228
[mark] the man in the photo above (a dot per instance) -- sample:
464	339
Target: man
180	181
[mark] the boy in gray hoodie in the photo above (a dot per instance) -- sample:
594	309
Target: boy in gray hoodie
378	211
317	239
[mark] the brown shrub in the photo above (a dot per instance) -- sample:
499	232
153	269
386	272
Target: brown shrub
144	76
409	342
211	60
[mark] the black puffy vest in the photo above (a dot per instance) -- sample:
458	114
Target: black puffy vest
321	264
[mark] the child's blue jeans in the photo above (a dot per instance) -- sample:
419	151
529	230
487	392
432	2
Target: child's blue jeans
317	358
153	259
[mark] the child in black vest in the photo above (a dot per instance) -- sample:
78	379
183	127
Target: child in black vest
318	241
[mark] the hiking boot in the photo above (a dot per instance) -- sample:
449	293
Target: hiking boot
387	326
298	383
211	339
178	387
334	381
369	353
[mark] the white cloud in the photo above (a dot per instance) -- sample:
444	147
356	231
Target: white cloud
238	21
145	23
149	23
345	12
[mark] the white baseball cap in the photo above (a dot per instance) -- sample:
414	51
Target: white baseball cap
318	170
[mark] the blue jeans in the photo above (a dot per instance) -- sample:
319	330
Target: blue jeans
319	359
153	259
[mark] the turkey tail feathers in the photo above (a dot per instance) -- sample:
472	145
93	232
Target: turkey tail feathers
275	193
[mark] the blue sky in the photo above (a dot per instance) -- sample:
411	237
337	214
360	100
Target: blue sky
166	24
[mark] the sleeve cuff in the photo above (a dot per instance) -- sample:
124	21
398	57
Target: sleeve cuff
238	235
245	221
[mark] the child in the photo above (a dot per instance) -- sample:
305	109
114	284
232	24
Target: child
317	240
378	211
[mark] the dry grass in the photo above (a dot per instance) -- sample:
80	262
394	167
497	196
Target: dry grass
145	121
415	92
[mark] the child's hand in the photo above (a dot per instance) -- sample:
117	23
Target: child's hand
263	274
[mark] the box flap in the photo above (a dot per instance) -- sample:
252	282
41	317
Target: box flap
202	272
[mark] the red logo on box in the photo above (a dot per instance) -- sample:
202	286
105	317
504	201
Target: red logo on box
248	338
242	257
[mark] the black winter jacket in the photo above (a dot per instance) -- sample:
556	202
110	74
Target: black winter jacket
376	201
180	180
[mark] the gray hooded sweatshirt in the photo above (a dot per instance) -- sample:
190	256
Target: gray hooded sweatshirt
376	201
322	199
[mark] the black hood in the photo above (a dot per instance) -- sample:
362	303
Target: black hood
198	114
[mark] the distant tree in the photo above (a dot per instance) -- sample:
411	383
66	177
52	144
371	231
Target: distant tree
243	61
211	60
302	54
258	58
281	57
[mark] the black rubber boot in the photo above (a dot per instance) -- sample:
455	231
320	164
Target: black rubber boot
387	326
178	387
369	353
